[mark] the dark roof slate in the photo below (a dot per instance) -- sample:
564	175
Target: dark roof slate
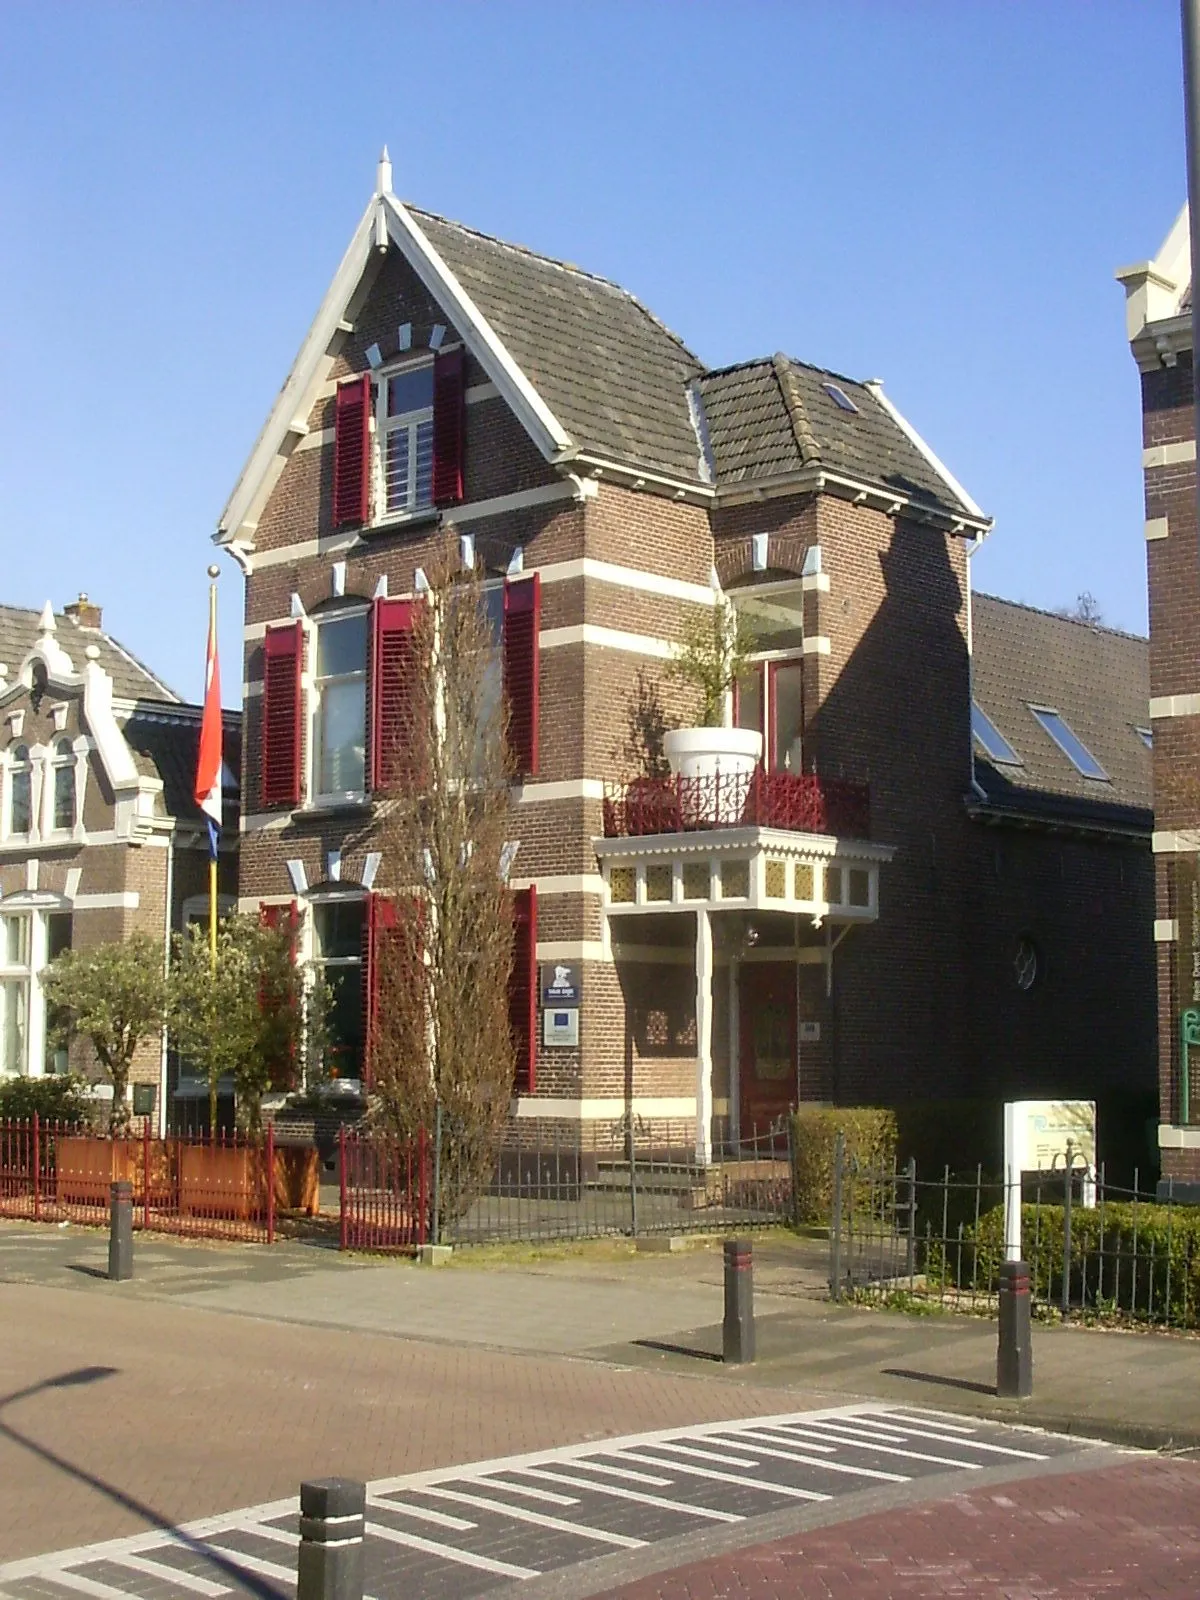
1099	682
770	417
610	372
166	746
131	679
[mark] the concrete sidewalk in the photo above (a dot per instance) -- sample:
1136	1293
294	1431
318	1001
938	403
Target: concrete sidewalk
662	1314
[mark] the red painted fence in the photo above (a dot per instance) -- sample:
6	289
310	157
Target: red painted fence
796	802
226	1188
385	1190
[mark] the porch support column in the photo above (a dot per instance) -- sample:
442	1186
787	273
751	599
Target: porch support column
735	1053
704	1019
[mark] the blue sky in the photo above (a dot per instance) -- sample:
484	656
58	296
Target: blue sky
936	194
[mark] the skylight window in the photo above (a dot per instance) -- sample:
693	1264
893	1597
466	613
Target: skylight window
991	741
1069	743
839	397
1146	735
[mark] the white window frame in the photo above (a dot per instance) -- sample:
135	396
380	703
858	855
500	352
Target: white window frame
56	762
317	797
761	661
33	1064
11	768
385	426
316	963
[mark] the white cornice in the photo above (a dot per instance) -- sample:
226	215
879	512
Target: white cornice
1154	290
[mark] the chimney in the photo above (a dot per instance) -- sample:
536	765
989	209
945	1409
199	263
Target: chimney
82	612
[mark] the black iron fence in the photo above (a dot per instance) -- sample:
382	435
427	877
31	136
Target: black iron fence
624	1177
1096	1251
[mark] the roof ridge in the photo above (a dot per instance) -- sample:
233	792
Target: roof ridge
767	361
1057	616
102	633
802	432
562	266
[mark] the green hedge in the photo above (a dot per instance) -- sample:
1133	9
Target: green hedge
870	1134
1142	1261
61	1097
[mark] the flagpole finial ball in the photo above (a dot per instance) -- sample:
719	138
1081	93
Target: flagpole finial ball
214	572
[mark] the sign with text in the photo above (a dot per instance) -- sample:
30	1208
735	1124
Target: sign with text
1042	1129
1045	1136
562	984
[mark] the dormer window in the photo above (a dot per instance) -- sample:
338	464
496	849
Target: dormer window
64	786
405	431
20	793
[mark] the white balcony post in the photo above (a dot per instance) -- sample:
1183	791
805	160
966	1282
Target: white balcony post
704	1020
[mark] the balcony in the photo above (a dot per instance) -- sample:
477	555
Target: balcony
786	801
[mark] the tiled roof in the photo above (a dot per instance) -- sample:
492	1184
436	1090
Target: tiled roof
1099	682
612	374
166	746
131	679
776	416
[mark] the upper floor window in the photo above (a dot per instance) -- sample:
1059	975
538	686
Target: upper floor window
990	740
1069	742
20	802
64	786
1146	735
405	431
341	705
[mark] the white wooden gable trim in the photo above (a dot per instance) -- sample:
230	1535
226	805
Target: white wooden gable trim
385	219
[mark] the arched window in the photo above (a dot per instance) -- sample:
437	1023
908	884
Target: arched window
20	812
64	786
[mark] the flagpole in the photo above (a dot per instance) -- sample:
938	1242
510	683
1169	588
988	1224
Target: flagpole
213	573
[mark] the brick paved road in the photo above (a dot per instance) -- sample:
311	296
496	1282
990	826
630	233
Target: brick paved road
1129	1530
186	1413
459	1532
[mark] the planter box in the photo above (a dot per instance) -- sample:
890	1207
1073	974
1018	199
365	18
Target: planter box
297	1179
87	1166
230	1181
221	1181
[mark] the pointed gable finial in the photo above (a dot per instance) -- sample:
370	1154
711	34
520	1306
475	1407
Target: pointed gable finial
383	174
46	622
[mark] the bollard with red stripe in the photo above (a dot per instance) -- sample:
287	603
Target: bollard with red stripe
738	1329
1014	1357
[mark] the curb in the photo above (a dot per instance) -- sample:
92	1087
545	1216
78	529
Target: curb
1107	1430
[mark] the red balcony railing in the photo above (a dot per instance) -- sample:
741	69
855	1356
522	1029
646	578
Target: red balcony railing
796	802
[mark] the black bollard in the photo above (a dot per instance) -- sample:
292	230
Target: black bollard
1014	1357
738	1330
333	1518
120	1232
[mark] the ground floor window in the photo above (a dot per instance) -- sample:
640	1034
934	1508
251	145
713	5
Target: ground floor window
338	939
29	941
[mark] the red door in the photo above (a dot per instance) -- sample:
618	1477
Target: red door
767	1075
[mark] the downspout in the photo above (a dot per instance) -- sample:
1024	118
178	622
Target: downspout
167	919
977	788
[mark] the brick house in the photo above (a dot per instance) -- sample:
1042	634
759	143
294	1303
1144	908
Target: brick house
99	836
806	938
1159	327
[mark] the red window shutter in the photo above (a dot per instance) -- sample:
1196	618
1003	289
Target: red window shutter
392	684
523	989
379	922
449	426
522	624
352	452
283	651
284	1077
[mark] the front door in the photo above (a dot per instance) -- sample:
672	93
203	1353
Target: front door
767	1069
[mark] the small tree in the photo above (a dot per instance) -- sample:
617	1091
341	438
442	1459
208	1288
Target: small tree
114	995
248	1018
1086	609
712	653
441	1039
